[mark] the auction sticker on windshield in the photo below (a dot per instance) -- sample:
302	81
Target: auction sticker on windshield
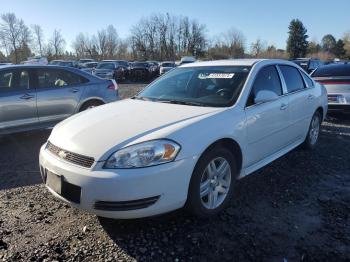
216	75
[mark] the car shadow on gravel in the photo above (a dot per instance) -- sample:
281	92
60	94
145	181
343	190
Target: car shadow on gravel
20	157
296	208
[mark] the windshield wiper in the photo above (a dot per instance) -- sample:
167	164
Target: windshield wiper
141	98
188	103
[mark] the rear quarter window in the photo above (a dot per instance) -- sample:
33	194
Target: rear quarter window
308	80
292	77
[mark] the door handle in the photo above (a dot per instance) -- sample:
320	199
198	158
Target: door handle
74	90
310	97
26	96
283	106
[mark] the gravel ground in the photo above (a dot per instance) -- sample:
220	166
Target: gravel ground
295	209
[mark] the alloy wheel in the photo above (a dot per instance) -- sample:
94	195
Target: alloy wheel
215	183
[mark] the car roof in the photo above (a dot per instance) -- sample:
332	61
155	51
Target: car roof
227	62
332	70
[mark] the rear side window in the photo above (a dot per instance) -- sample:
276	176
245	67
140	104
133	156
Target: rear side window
292	77
266	79
58	78
332	70
308	81
14	80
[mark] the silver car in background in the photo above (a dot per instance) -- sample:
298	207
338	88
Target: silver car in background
34	97
336	79
166	66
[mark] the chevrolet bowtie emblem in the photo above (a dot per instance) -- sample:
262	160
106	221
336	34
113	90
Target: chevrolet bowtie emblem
62	154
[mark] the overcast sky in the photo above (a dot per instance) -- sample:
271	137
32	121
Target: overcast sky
267	19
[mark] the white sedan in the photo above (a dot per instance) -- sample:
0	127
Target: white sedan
184	140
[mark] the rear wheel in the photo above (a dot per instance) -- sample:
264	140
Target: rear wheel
90	104
212	182
313	132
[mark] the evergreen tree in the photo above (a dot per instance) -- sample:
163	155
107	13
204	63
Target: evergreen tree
328	43
297	43
339	50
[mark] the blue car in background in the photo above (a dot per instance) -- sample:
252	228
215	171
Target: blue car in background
36	96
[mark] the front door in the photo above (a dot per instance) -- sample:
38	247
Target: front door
266	123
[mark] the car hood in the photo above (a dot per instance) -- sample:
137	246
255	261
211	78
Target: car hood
99	131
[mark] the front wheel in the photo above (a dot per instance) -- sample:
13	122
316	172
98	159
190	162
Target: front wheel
313	132
90	104
212	182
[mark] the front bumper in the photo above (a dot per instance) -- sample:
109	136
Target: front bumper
168	182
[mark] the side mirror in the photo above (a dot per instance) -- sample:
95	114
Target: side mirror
264	96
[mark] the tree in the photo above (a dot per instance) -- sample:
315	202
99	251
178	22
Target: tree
230	44
38	38
83	45
14	34
164	36
346	40
314	47
328	43
58	43
112	41
297	43
257	47
2	57
339	50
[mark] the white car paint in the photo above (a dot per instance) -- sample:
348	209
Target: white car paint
263	132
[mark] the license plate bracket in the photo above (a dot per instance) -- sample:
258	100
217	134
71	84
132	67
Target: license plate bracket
54	182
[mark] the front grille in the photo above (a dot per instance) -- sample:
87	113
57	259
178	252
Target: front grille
125	205
68	156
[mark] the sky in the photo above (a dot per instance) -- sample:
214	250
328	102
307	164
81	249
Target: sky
264	19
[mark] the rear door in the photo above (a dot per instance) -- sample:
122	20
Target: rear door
58	93
17	100
267	123
301	100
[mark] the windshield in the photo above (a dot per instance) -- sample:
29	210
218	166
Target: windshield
90	65
140	64
105	66
217	86
65	63
168	65
85	60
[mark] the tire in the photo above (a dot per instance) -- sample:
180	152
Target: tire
206	206
90	104
314	132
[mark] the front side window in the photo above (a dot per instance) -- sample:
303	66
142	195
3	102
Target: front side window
57	78
266	79
292	77
217	86
14	80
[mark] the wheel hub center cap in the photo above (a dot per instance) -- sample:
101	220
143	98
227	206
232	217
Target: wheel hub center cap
214	182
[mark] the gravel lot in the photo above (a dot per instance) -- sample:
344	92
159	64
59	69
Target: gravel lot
295	209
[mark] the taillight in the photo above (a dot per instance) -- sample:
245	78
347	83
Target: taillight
113	85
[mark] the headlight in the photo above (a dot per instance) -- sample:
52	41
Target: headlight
144	154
